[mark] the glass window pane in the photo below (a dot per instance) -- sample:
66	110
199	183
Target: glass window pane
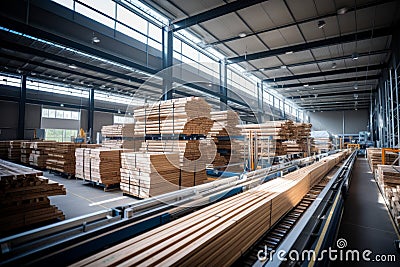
59	114
67	115
105	6
177	45
155	32
94	15
75	115
131	19
52	113
66	3
131	33
155	44
45	113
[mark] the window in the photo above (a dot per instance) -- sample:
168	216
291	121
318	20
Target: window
60	135
67	3
95	15
60	114
131	19
118	119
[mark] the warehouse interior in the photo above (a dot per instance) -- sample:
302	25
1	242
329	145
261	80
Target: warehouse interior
211	132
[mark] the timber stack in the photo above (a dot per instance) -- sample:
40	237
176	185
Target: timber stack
302	135
210	236
24	198
374	156
39	153
388	177
322	141
98	165
226	136
118	136
4	149
26	151
14	150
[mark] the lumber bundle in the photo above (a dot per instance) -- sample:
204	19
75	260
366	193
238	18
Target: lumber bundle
292	147
374	156
388	177
39	153
181	116
226	136
118	136
24	198
302	133
61	157
145	175
210	236
322	141
4	149
99	165
14	150
26	151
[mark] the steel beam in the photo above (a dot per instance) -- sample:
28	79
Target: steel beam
21	109
358	92
315	44
91	114
326	73
167	53
344	80
214	13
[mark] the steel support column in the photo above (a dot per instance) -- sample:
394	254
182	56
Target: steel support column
91	114
167	57
21	109
223	83
260	101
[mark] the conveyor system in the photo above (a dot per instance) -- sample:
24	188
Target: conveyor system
73	239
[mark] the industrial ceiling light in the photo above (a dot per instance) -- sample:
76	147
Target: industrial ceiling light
289	52
95	40
283	67
321	24
355	86
354	56
72	66
342	11
334	65
355	96
306	85
242	34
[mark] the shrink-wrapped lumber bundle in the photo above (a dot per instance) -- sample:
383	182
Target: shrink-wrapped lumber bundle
210	236
24	199
14	150
98	165
39	153
145	175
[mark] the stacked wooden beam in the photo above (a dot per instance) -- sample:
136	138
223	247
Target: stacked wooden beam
4	145
14	150
374	156
302	134
98	165
39	153
24	198
292	147
118	136
26	151
210	236
226	136
388	177
322	141
61	157
145	175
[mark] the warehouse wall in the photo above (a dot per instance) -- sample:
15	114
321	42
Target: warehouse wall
8	120
332	121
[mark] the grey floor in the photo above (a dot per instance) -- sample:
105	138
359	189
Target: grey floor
366	223
82	198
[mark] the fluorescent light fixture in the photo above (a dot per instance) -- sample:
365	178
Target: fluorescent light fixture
306	85
242	35
321	24
72	66
354	56
283	67
289	52
355	86
95	40
334	65
61	105
342	11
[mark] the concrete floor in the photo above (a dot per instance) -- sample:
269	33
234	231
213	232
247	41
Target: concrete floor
366	223
82	198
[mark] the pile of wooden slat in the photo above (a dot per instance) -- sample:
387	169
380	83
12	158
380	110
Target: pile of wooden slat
118	136
301	133
61	157
389	180
24	199
39	153
322	141
145	175
292	147
14	150
4	149
226	134
26	151
374	156
99	165
218	234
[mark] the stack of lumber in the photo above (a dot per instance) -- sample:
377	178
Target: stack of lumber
4	149
39	153
292	147
145	175
302	133
26	151
210	236
388	177
24	198
14	150
118	136
374	156
225	133
61	157
173	117
99	165
270	136
322	141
